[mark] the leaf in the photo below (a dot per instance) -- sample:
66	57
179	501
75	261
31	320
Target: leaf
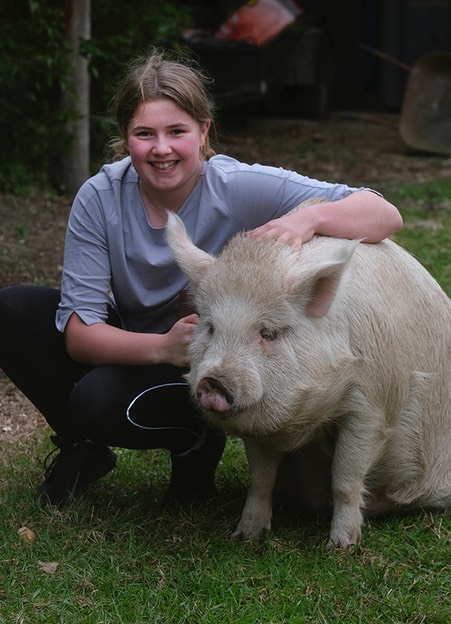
26	534
49	567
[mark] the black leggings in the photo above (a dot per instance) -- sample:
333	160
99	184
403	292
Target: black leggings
137	407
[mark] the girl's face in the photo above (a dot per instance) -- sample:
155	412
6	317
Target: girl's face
164	143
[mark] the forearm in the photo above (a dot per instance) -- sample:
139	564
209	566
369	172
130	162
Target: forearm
100	343
362	214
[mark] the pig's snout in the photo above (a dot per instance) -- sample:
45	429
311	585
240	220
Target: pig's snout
213	395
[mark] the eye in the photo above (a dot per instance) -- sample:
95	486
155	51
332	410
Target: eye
210	328
178	131
269	335
144	134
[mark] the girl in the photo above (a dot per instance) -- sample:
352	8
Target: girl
103	359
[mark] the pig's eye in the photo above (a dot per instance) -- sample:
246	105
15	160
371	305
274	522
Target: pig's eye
210	329
268	334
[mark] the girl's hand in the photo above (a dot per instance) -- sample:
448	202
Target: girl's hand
178	339
294	228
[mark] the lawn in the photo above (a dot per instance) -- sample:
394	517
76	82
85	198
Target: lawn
119	557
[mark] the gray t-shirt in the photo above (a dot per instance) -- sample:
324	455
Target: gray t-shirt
112	253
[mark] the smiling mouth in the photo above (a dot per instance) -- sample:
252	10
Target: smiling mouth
164	166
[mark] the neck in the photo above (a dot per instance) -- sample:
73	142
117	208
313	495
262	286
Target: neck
157	206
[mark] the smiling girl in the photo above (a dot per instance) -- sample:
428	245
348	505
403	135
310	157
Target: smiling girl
108	372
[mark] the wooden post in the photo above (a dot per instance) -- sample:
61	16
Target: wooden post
75	162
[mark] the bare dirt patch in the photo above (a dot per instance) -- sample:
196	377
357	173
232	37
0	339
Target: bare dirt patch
362	150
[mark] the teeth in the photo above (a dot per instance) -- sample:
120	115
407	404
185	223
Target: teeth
166	165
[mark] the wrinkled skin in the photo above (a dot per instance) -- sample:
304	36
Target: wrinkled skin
336	359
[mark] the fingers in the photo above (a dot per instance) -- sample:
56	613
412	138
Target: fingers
266	228
191	319
294	228
178	340
281	233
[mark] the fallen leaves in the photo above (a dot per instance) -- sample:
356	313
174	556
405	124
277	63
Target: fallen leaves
26	534
29	536
49	567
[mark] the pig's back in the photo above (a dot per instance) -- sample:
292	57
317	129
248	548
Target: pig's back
387	284
393	285
412	319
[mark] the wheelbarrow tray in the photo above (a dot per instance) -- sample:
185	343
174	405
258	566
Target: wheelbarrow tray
425	121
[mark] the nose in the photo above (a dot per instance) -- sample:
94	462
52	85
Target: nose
213	395
161	146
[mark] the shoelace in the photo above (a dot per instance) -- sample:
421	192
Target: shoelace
51	459
55	455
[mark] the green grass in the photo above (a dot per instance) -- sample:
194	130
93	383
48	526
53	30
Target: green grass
426	208
123	558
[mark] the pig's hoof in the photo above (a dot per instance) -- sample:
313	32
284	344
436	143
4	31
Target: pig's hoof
343	540
249	535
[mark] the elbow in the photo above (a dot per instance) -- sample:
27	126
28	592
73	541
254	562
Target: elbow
75	351
395	221
79	341
388	220
400	222
385	227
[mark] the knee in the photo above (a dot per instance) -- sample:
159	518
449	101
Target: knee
10	297
98	405
93	402
85	399
13	309
19	302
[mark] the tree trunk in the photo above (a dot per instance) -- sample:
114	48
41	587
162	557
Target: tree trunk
75	162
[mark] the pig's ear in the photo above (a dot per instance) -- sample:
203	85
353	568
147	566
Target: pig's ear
319	282
193	261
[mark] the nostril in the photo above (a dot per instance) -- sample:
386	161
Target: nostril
210	384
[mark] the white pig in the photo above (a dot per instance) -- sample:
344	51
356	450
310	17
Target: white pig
341	345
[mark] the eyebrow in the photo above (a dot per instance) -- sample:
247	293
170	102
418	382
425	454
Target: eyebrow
175	125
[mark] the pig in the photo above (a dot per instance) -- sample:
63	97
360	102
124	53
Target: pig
334	358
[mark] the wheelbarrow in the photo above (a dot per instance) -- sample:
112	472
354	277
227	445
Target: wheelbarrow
425	121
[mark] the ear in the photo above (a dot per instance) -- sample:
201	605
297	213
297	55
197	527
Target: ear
204	129
193	261
318	283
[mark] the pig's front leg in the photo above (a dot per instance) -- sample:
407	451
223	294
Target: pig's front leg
257	513
359	443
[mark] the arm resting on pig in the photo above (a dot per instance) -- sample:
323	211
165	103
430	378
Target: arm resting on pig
362	215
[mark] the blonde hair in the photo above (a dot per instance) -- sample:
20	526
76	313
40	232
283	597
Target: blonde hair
154	77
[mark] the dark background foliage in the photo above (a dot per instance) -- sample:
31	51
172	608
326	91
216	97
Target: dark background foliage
34	58
35	61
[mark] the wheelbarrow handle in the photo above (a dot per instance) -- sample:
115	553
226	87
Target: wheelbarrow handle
386	57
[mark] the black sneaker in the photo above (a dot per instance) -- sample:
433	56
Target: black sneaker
70	471
193	472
